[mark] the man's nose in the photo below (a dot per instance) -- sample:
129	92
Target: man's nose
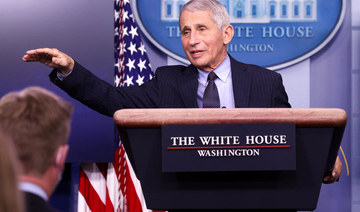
194	39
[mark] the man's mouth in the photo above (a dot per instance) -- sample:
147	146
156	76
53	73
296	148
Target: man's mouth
196	53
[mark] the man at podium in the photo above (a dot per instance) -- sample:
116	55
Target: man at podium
213	79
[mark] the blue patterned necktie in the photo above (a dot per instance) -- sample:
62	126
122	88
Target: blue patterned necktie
211	94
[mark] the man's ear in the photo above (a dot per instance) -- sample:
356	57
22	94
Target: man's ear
228	33
60	157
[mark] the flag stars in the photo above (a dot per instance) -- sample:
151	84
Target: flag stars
142	48
129	81
122	48
140	80
130	64
132	48
141	64
124	32
116	31
133	32
132	17
131	67
116	14
117	80
125	16
122	61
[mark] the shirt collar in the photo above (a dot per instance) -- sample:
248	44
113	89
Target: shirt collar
222	71
34	189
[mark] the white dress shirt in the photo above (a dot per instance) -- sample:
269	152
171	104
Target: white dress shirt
34	189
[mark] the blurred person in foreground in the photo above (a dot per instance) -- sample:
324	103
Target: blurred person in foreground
38	123
11	199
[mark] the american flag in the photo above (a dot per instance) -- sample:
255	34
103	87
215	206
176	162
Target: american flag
132	65
114	186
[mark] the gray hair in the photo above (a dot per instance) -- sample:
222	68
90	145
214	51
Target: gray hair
221	16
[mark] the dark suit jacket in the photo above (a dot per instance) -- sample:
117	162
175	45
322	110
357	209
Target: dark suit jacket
173	87
35	203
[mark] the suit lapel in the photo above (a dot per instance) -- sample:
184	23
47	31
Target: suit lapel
188	85
241	79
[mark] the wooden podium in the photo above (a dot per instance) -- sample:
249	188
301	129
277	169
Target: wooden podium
318	136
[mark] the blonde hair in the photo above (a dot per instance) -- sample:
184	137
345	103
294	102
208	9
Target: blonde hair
38	122
11	198
220	14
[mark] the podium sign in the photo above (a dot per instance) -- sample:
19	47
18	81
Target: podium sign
228	147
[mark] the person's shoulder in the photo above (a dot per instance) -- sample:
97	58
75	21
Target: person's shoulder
172	68
256	69
260	69
35	203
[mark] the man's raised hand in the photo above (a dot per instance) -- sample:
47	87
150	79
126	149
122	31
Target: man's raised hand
52	58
